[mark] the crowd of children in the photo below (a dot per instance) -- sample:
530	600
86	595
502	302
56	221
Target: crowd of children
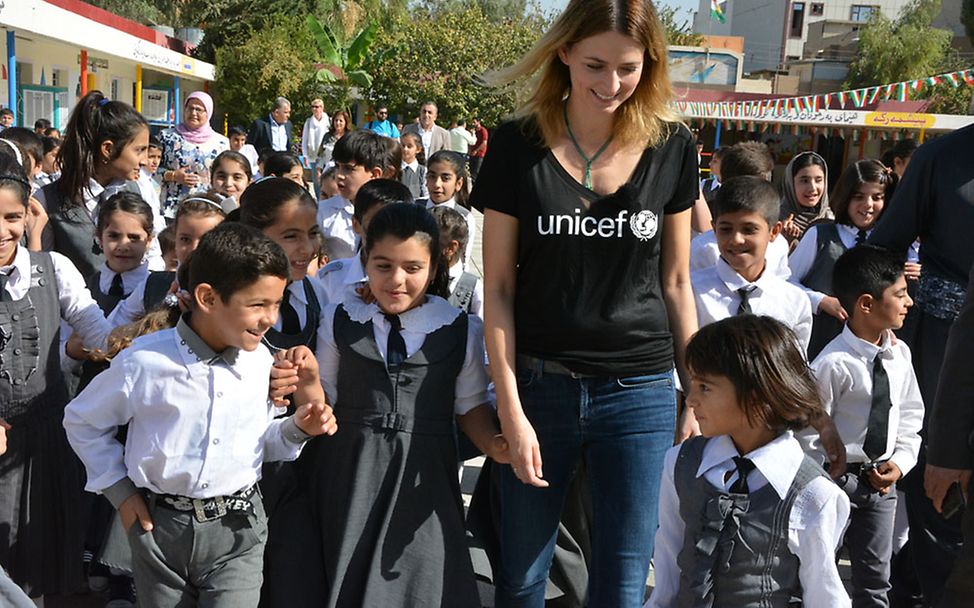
218	472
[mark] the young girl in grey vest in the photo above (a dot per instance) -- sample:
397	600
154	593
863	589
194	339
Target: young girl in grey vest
402	372
466	289
746	519
857	203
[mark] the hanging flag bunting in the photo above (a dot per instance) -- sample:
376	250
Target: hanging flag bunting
828	100
933	80
858	97
842	95
901	92
916	85
717	11
873	95
953	79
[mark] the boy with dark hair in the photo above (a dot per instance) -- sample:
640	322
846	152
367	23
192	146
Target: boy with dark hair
6	118
359	157
30	143
870	390
744	159
238	143
41	125
200	427
344	275
745	224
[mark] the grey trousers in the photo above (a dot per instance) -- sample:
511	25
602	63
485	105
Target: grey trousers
869	540
182	563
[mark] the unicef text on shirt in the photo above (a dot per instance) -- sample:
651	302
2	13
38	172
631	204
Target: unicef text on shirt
643	225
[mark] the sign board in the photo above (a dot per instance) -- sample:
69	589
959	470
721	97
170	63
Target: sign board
155	105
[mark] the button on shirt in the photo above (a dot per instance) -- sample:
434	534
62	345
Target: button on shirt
815	524
417	323
704	253
78	309
335	218
200	423
715	293
843	371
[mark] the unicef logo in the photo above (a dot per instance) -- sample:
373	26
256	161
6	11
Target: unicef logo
644	225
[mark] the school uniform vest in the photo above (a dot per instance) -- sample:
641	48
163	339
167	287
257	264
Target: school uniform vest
157	285
73	230
414	180
735	547
106	302
462	295
829	248
308	336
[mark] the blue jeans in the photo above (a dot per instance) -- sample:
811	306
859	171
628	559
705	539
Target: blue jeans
621	427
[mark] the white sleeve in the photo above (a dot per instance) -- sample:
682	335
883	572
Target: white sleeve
803	326
326	352
907	446
306	138
276	442
778	255
477	301
701	254
818	521
93	417
471	389
829	379
129	310
669	538
78	308
801	260
472	229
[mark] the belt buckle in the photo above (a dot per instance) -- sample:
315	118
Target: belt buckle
199	509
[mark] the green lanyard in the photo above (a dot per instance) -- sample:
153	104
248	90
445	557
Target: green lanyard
587	181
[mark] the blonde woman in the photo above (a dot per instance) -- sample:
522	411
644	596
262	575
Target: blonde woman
587	197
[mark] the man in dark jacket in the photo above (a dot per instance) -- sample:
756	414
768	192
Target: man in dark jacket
274	131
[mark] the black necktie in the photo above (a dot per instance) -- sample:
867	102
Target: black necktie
861	237
877	429
4	294
744	467
117	290
290	325
396	347
745	293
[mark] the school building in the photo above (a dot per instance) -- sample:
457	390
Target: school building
58	50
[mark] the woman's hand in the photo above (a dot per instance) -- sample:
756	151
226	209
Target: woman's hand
184	177
524	451
790	229
830	305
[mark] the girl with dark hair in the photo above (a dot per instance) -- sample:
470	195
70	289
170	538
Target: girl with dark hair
230	174
41	526
446	182
805	199
898	157
588	303
746	519
401	371
103	151
286	165
857	203
341	124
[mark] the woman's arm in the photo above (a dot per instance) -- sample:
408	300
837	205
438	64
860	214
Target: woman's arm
701	220
678	296
500	272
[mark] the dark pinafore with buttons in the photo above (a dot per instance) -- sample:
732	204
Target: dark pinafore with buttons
735	548
386	494
41	480
828	249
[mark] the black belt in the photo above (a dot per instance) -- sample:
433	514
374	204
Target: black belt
546	366
394	421
209	509
860	469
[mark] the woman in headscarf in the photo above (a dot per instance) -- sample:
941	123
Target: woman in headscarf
188	151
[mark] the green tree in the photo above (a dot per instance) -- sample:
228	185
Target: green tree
342	65
679	33
276	60
904	49
439	55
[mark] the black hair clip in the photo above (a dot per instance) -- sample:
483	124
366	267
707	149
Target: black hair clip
15	178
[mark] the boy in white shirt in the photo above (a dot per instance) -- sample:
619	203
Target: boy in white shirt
746	223
870	390
200	427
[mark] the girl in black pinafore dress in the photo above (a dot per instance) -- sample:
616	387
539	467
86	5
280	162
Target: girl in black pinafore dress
400	373
41	481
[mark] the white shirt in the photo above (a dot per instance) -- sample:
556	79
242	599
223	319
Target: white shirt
200	424
131	309
461	139
417	323
131	279
311	135
299	300
815	524
715	293
250	153
278	135
78	309
335	218
471	224
341	278
843	371
427	137
704	253
477	300
803	258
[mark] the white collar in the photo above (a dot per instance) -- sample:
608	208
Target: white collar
778	460
456	270
339	202
867	350
452	204
296	288
735	281
413	165
355	271
20	266
429	316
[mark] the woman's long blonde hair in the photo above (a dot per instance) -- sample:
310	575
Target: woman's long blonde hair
544	81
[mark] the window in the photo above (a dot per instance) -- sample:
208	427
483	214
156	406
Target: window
797	19
863	12
818	9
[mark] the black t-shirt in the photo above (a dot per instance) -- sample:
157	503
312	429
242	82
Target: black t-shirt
588	276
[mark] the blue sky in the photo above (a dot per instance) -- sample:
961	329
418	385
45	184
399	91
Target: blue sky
681	5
